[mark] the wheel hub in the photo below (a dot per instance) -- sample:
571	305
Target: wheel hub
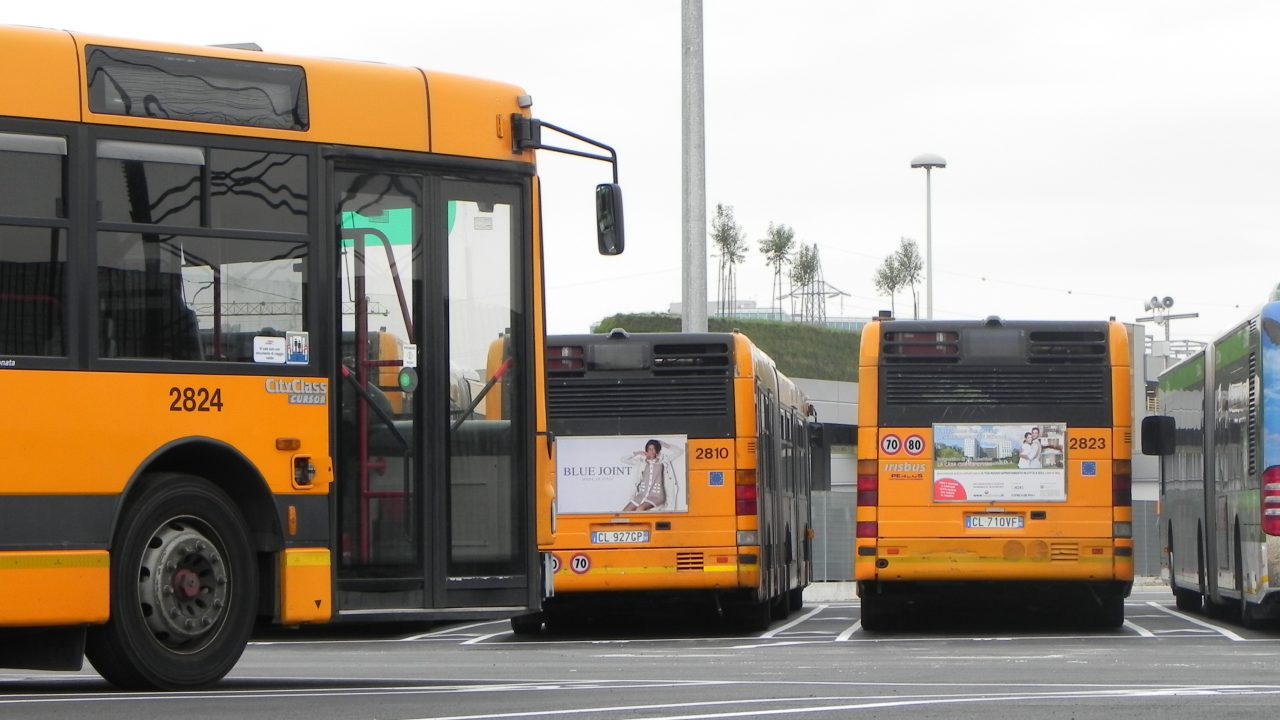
183	584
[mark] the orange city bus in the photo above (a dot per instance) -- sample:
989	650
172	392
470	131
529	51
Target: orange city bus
993	455
683	473
239	293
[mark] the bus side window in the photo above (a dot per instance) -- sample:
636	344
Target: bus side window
33	255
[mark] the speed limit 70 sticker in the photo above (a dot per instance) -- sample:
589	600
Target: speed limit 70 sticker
890	444
579	563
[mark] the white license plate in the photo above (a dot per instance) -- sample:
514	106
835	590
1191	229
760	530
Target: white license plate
619	537
993	522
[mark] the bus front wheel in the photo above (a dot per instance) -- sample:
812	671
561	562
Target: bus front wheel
184	588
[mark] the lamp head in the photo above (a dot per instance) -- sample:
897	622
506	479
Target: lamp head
929	161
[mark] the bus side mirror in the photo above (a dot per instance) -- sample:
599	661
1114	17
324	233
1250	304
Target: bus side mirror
609	235
1157	435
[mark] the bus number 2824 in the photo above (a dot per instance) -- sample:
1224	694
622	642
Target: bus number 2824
189	399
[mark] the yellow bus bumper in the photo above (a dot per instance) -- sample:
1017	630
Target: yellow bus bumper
653	569
53	588
305	589
997	559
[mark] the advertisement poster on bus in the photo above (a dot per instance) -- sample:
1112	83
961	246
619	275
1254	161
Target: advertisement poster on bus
621	474
1016	462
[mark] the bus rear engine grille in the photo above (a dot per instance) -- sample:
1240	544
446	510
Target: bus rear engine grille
955	385
580	398
689	562
1064	552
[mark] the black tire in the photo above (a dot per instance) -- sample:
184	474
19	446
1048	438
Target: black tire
755	616
780	606
795	598
1110	612
1187	600
1209	607
1249	617
878	614
527	625
184	588
562	620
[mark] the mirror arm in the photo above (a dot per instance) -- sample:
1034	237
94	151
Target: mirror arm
527	135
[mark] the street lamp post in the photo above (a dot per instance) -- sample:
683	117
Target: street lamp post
928	161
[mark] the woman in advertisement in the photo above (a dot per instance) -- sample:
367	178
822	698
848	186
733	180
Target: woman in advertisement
656	470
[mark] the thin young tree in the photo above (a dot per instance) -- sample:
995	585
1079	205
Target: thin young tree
806	279
776	248
911	269
731	240
888	280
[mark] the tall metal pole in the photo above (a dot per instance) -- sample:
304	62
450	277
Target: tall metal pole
928	241
694	210
928	161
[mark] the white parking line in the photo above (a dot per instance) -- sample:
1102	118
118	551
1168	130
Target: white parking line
849	631
793	623
780	643
448	631
1138	629
1196	621
482	638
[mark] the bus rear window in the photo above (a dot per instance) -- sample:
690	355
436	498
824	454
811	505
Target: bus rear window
169	86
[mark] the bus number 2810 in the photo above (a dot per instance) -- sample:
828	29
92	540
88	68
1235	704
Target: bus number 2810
711	453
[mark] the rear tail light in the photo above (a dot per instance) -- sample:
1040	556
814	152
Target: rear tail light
1271	500
868	496
868	483
745	500
1121	483
565	357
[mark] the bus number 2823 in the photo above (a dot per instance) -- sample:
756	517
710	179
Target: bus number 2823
189	399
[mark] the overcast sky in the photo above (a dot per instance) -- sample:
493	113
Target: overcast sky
1098	153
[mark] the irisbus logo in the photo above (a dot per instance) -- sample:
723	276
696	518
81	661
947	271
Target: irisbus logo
904	467
300	390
